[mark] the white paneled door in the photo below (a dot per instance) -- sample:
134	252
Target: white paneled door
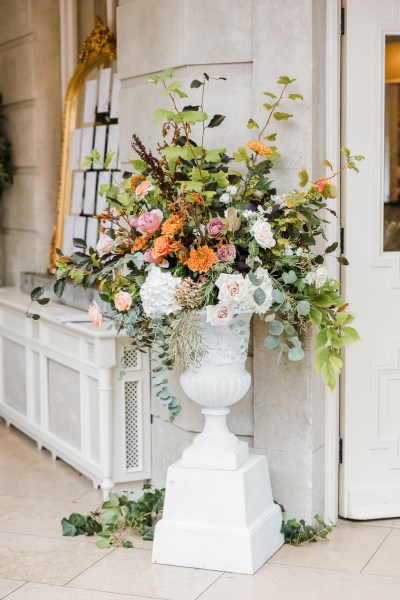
370	399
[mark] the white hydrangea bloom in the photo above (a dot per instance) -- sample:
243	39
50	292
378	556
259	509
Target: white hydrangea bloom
249	214
321	277
278	199
225	198
288	250
232	190
317	277
158	293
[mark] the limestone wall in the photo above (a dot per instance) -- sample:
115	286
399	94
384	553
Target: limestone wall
30	84
250	43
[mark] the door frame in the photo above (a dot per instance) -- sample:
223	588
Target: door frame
332	151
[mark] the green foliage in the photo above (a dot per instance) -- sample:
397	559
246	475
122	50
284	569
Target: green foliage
298	533
118	517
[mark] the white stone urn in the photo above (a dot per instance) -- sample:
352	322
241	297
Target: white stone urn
220	381
219	511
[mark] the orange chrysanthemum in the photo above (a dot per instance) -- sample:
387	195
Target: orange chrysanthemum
172	225
140	243
202	259
161	247
135	180
259	148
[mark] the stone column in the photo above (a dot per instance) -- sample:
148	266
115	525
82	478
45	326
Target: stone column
289	39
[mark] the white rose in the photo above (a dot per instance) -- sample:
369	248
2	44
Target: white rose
105	244
232	190
221	314
262	232
225	198
321	276
232	288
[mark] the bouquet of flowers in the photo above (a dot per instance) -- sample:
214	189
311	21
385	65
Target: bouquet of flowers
193	229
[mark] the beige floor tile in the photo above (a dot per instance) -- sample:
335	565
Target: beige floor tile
42	480
348	549
45	560
282	582
39	591
131	572
386	561
94	497
9	585
42	518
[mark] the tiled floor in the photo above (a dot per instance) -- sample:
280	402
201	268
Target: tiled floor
360	562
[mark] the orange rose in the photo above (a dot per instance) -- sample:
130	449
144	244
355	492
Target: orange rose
172	225
259	148
321	183
161	247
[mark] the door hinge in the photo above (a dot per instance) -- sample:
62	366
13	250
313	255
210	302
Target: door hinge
342	240
340	451
342	21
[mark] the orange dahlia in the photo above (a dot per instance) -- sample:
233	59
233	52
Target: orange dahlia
140	243
201	259
259	148
172	225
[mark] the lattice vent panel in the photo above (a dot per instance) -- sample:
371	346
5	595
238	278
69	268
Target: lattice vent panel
132	425
131	357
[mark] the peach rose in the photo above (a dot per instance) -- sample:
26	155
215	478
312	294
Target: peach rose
162	247
149	222
95	315
221	314
123	301
105	244
160	261
144	188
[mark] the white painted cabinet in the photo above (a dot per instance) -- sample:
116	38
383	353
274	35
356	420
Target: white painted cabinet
60	384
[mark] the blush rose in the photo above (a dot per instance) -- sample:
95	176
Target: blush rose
123	301
95	315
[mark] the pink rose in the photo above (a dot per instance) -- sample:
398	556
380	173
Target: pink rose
159	260
95	315
215	227
221	314
149	222
123	301
133	222
226	253
144	188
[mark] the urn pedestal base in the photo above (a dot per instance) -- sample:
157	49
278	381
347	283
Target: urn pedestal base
219	519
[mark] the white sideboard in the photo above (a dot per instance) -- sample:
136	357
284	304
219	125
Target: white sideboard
60	384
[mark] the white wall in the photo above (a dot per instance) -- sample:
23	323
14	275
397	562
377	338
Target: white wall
250	43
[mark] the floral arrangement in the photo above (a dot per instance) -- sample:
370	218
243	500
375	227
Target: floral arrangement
193	229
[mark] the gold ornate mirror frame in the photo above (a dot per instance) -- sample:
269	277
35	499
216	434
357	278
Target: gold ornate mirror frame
99	49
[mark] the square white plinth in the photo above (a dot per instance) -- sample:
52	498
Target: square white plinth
219	519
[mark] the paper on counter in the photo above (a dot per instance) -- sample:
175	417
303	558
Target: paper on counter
101	202
100	134
112	144
92	232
